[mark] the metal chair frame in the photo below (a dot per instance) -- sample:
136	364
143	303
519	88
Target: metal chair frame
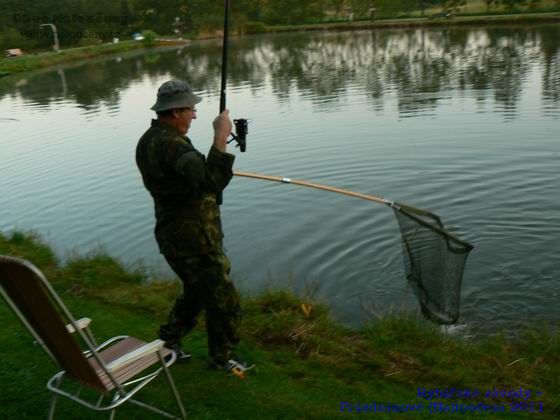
109	385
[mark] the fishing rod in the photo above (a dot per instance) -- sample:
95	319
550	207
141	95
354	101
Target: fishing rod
241	124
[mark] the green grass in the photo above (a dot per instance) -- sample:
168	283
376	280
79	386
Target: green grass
306	364
36	61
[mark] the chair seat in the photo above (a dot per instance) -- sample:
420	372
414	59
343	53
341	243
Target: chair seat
126	372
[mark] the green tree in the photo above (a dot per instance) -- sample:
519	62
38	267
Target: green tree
150	38
337	6
11	38
512	5
391	8
425	4
360	7
452	6
289	12
491	4
252	9
201	15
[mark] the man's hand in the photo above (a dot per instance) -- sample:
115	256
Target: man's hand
222	129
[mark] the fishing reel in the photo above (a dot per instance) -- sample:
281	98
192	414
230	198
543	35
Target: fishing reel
240	136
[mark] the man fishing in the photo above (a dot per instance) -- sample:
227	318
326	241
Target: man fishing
184	185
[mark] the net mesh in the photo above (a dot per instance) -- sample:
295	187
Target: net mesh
434	262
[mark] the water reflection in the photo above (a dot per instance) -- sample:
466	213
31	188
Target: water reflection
438	99
417	67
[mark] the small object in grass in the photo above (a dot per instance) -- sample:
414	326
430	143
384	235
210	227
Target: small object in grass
238	372
234	366
13	52
306	309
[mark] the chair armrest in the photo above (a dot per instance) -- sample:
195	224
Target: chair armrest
145	350
81	323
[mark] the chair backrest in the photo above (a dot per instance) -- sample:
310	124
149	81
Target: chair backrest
30	295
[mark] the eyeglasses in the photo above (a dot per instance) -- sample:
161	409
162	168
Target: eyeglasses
191	109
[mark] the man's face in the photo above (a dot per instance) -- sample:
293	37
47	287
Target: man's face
184	118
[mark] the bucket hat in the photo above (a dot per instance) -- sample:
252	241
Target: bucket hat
175	94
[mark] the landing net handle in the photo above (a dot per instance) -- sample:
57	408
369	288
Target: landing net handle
410	211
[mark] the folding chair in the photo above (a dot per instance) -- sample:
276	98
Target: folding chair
111	369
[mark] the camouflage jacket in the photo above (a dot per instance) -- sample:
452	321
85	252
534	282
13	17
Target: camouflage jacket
183	184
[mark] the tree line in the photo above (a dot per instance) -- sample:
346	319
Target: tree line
409	67
91	21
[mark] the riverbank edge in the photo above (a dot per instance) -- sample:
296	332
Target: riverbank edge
459	20
296	335
9	66
26	63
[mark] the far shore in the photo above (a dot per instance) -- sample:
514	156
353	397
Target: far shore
461	20
34	61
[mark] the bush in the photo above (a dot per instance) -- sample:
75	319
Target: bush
149	38
89	38
254	28
11	38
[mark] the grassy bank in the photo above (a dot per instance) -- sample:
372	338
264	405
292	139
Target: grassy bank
307	364
46	59
412	22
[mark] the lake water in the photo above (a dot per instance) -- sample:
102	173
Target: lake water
461	122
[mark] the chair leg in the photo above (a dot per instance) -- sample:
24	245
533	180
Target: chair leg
52	407
172	385
113	411
54	400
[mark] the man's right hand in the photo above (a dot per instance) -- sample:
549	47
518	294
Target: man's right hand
222	129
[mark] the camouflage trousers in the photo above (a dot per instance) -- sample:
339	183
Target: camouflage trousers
206	285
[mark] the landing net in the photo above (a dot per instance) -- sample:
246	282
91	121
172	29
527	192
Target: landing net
434	262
